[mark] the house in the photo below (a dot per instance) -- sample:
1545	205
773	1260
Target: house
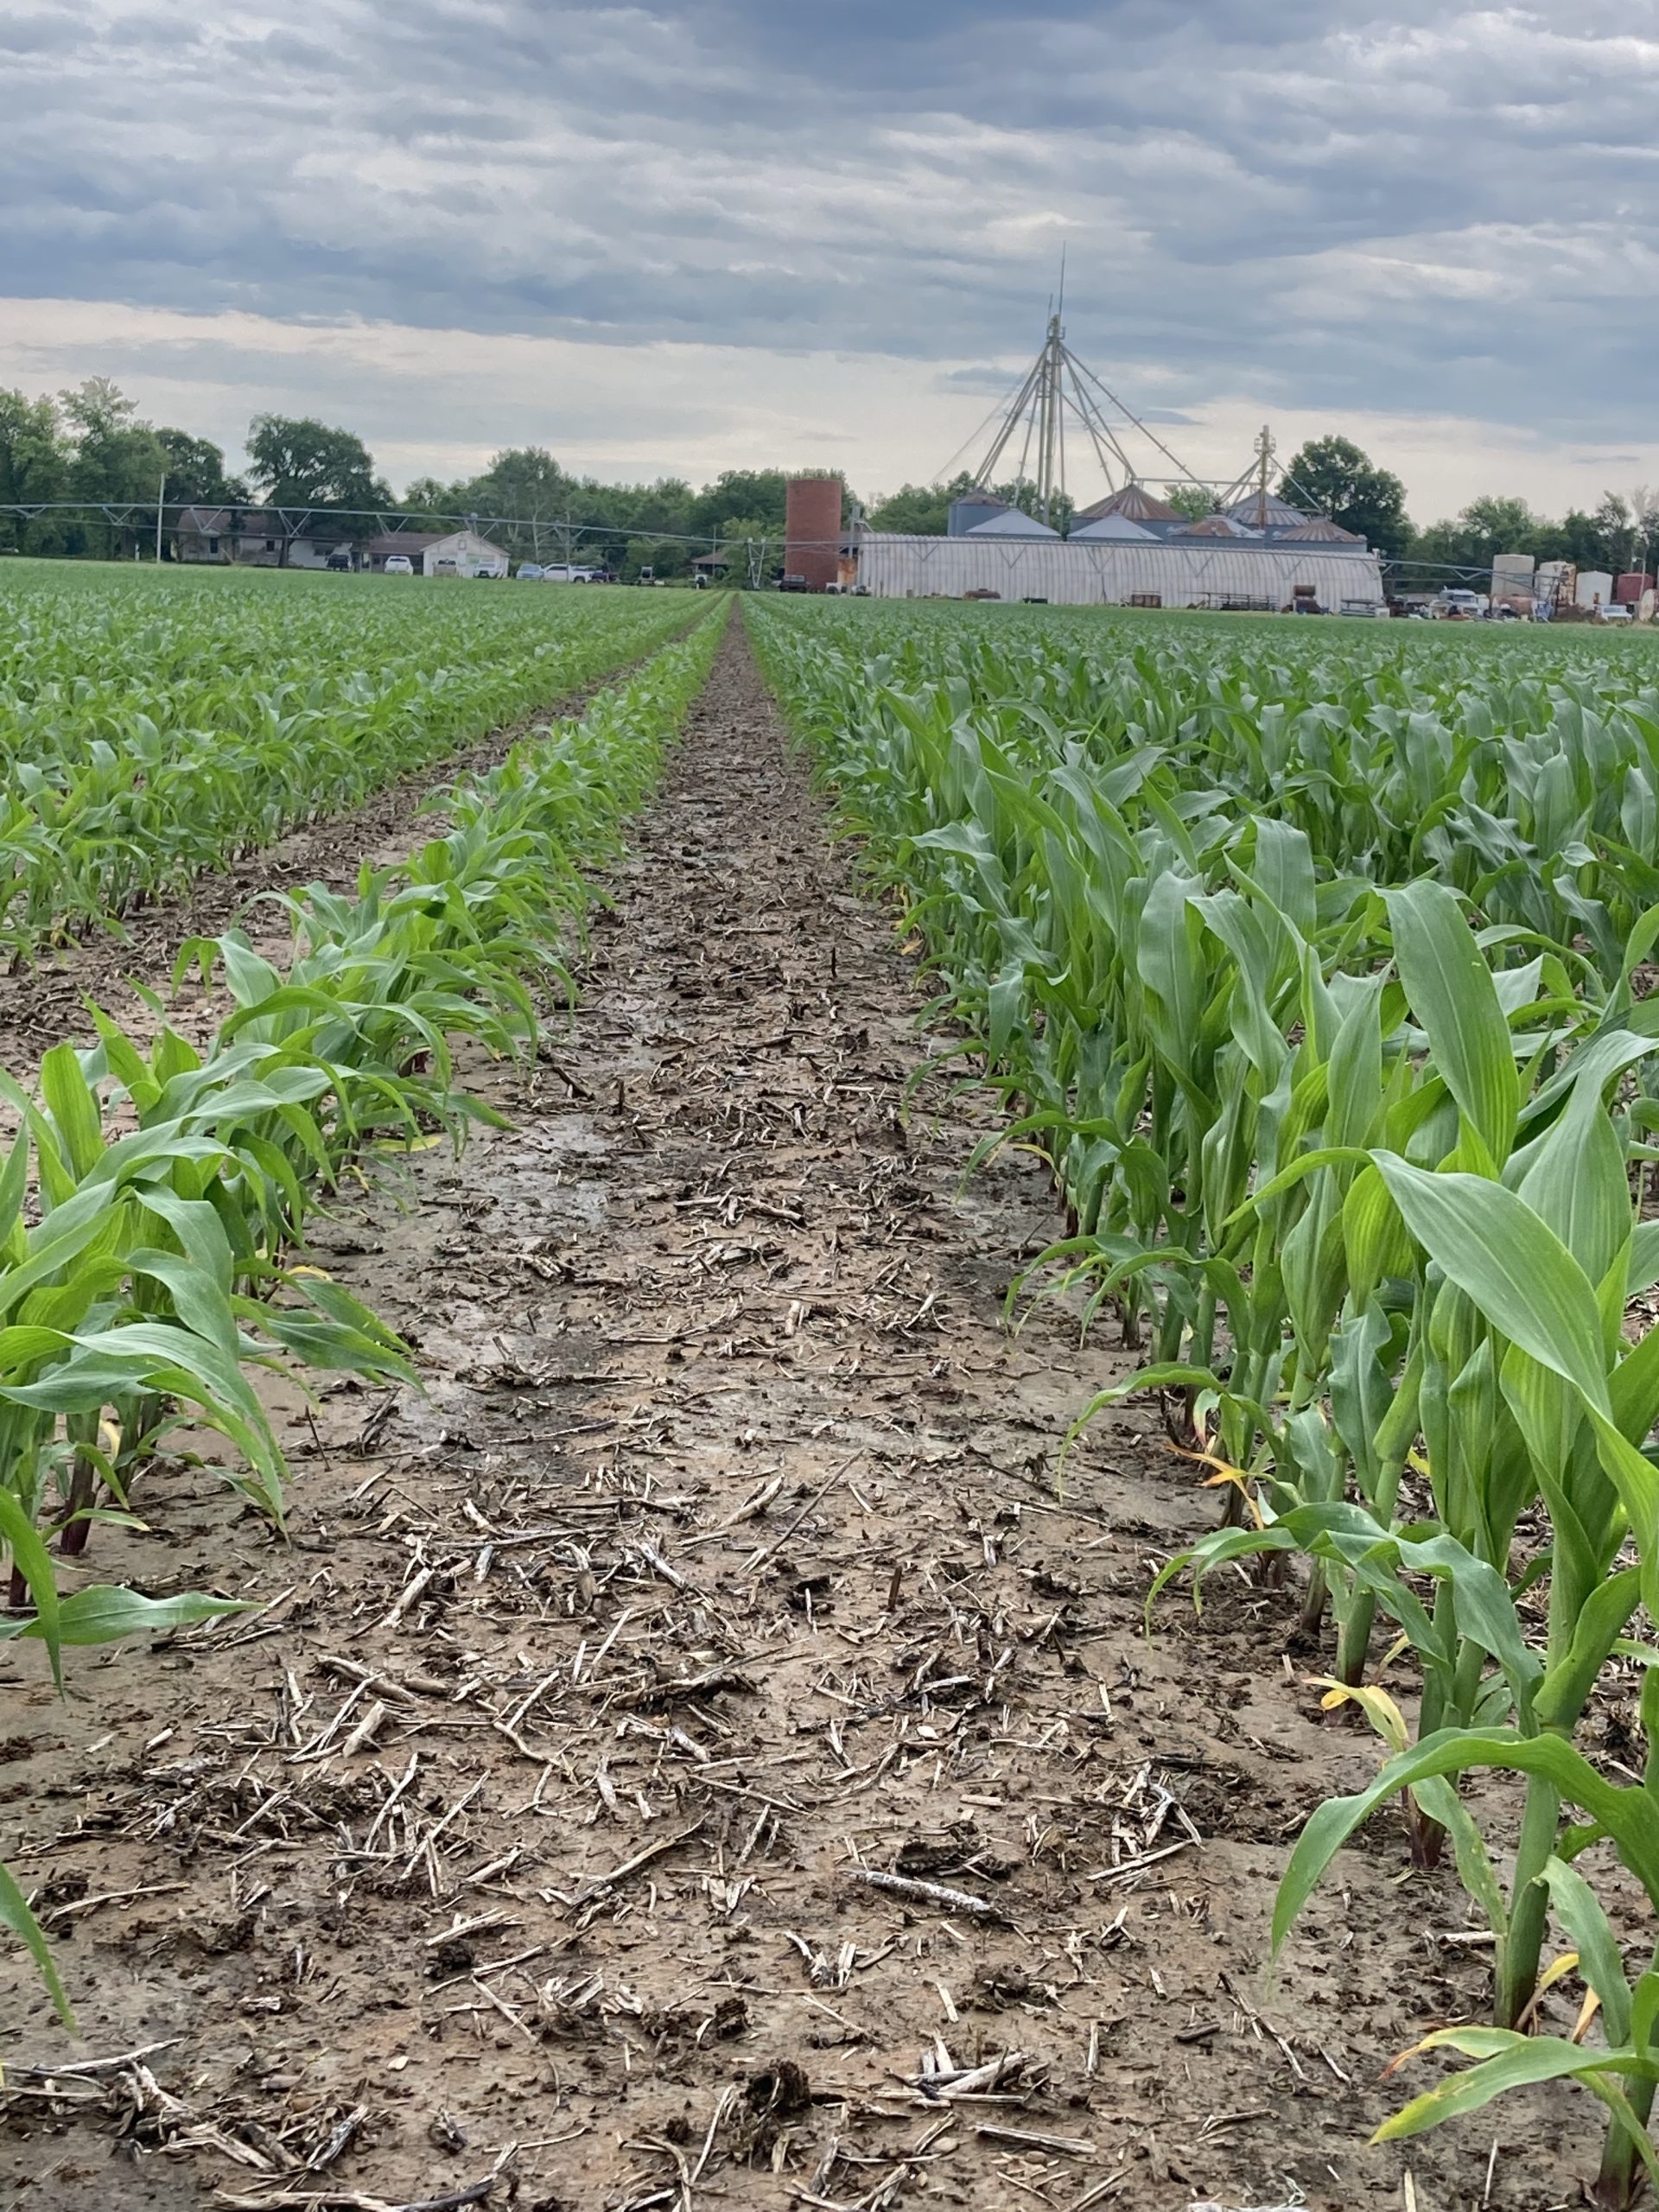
255	537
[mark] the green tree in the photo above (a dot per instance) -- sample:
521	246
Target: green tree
297	462
34	468
116	461
756	492
924	510
1332	475
1494	524
754	550
919	509
195	471
1191	500
426	495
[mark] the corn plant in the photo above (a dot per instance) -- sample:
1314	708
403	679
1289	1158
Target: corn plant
152	1203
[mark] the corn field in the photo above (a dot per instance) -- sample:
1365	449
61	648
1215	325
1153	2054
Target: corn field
1315	964
153	726
154	1194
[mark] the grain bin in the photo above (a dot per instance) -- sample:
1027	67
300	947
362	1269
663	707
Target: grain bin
1628	588
1511	581
1595	588
812	529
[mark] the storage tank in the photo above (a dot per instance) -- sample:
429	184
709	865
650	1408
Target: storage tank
1555	580
1512	575
972	509
1628	588
812	529
1595	588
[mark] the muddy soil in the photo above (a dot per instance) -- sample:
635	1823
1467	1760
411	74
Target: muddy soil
702	1753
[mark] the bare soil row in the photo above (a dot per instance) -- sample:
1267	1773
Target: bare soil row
698	1754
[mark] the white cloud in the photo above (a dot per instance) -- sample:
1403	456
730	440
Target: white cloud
441	402
670	221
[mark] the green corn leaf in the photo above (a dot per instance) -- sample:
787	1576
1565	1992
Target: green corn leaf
1514	1268
1452	993
1625	1815
16	1915
1517	2062
1591	1933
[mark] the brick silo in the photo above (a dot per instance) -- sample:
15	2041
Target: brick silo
812	528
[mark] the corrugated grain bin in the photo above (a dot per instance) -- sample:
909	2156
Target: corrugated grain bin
812	529
1628	588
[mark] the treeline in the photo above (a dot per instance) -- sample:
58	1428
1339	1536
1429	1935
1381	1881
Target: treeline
91	445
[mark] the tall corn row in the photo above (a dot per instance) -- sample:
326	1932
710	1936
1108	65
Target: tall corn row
1346	1124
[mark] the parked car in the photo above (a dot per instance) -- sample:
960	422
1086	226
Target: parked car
530	572
1454	606
399	565
340	558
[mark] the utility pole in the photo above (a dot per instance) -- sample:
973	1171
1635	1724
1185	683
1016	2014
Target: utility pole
161	495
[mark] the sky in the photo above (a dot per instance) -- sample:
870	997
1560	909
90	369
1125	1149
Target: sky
729	233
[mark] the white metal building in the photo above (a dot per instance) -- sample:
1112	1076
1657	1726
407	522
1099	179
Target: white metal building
1095	570
464	553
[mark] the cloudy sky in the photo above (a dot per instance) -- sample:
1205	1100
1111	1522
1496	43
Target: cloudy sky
666	239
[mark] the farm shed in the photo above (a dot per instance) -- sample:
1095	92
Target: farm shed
1091	570
464	553
413	544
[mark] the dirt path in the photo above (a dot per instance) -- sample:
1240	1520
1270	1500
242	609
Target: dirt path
723	1567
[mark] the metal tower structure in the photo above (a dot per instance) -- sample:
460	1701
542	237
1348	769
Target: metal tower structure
1059	388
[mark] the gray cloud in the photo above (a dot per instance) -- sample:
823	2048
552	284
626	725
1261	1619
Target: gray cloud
1326	205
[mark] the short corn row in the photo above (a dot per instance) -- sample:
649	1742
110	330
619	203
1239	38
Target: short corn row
154	727
153	1204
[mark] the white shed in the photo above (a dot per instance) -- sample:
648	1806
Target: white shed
464	553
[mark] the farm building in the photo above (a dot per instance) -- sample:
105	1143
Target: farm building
1260	552
254	537
251	538
438	553
1104	571
463	553
1256	550
412	545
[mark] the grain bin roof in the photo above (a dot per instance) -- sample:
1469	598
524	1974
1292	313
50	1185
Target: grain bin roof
1319	529
1212	526
1135	503
1011	525
1272	512
1113	526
